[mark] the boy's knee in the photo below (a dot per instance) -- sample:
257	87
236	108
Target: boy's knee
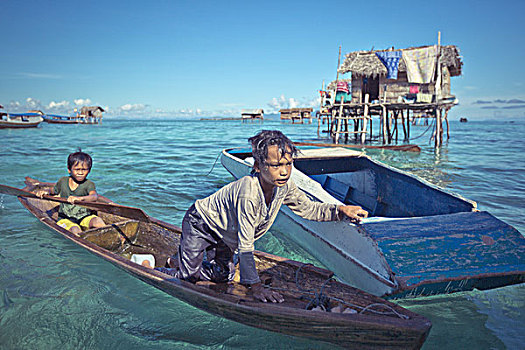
75	229
96	222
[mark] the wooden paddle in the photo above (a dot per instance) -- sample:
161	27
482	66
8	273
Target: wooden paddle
116	209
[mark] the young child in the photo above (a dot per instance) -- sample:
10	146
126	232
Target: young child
238	214
76	187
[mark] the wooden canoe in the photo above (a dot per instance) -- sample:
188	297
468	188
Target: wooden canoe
368	322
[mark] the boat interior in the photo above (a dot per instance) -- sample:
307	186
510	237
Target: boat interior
380	190
298	282
383	191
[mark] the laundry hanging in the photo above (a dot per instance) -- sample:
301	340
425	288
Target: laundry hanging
391	61
421	64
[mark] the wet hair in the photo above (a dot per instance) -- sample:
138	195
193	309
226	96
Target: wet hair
79	157
266	138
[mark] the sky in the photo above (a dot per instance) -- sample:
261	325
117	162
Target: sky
213	58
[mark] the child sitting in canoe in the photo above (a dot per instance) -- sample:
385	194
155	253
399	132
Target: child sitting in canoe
76	187
238	214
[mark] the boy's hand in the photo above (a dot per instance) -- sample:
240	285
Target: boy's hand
262	294
73	199
354	212
41	193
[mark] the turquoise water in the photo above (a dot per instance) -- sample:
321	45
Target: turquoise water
54	294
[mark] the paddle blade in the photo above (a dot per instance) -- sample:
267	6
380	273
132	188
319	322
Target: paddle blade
116	209
13	191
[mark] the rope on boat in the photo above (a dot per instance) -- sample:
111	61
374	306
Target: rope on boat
321	300
216	159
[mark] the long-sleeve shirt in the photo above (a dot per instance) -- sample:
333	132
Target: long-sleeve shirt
239	215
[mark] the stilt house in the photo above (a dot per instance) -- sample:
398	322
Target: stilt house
296	114
91	115
252	114
369	75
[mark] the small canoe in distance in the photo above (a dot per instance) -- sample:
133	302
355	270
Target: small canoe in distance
346	316
20	120
418	240
61	119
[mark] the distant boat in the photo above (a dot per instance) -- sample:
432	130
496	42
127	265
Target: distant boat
463	120
62	119
20	120
87	115
419	238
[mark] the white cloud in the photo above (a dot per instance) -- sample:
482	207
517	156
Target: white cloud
32	103
56	105
62	107
82	101
137	107
281	102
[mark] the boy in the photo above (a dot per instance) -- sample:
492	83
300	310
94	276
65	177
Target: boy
76	187
241	212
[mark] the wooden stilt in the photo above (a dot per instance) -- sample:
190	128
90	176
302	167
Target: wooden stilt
338	123
405	136
365	119
448	126
384	118
438	128
346	129
408	125
394	131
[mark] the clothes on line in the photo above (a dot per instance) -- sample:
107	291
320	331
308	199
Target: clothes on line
391	61
421	64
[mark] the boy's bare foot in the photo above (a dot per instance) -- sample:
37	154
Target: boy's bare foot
172	262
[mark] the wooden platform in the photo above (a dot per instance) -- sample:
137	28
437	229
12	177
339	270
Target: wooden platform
296	114
389	115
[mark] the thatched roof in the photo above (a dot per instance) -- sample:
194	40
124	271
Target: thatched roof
252	111
86	109
332	85
294	110
366	62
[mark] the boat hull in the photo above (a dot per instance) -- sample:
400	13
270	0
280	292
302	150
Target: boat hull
401	256
32	122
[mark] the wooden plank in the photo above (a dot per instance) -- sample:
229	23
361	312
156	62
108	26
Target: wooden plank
451	247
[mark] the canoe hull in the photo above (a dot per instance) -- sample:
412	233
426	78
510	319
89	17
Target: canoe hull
361	330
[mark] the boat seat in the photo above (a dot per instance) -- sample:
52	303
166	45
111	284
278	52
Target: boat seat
354	188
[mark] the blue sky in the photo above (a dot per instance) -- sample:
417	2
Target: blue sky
214	58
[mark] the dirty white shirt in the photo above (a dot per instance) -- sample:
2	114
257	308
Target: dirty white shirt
239	215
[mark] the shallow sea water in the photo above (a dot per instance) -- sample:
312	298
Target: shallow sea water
54	294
